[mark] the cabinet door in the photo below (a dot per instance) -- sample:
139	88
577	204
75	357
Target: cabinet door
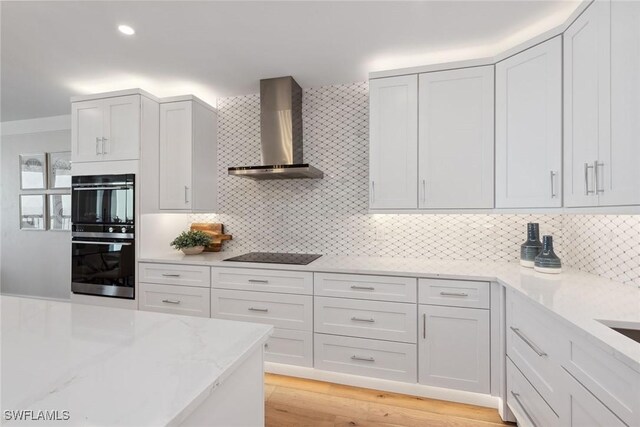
586	102
87	131
121	138
393	142
619	173
455	146
175	155
453	348
529	128
582	409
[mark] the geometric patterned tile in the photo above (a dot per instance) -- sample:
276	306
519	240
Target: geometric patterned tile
329	216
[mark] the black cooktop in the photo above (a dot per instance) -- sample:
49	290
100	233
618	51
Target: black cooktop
275	258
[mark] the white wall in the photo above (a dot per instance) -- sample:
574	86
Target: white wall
34	263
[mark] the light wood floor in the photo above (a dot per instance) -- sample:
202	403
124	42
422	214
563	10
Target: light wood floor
300	402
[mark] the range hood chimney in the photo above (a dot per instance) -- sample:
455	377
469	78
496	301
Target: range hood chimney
281	134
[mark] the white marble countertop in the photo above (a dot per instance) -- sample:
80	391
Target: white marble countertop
110	366
577	297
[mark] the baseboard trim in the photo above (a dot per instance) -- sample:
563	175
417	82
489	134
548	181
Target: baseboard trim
385	385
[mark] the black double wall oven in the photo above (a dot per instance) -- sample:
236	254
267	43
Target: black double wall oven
103	235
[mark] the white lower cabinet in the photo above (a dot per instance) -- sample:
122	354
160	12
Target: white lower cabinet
551	361
371	358
534	343
454	348
526	403
290	347
583	409
175	299
175	274
390	321
280	310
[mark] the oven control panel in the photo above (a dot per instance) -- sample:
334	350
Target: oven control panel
107	230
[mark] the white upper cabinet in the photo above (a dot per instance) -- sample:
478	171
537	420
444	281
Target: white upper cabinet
121	139
586	104
619	175
188	158
176	134
106	129
529	128
393	142
455	148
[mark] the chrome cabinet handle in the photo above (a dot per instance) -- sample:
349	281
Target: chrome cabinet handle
104	151
596	174
365	359
454	294
99	188
170	275
516	396
424	191
171	301
186	197
257	281
553	189
424	326
586	179
373	192
363	288
87	242
527	341
360	319
262	310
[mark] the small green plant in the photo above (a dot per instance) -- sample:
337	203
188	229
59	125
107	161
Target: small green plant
190	239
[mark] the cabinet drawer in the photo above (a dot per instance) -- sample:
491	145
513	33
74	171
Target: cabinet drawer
175	274
371	358
382	288
611	381
393	321
247	279
174	299
290	347
526	403
533	344
456	293
280	310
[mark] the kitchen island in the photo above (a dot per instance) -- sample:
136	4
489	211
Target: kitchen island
89	365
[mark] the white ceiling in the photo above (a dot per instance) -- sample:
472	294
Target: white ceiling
53	50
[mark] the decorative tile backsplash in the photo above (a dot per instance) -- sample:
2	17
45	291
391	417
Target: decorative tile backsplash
329	216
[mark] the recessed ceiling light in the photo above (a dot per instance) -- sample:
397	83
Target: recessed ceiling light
125	29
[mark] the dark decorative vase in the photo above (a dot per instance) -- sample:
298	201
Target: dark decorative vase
547	261
530	249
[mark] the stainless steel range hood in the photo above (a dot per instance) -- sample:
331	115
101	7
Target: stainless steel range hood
281	134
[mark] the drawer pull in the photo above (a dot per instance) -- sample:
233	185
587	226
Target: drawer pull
170	275
516	396
454	294
363	288
360	319
262	310
364	359
424	326
530	343
171	301
258	281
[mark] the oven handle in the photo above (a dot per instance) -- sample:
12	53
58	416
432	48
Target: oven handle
101	243
100	188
